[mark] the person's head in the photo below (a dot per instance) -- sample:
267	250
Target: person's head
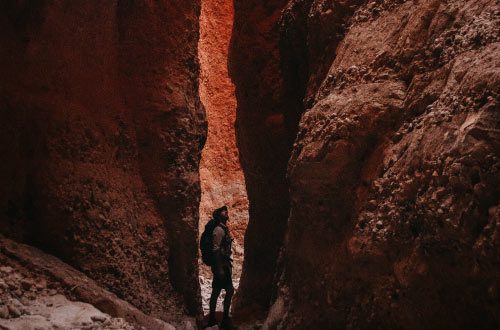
221	214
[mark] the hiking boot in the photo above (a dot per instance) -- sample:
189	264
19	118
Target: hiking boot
227	324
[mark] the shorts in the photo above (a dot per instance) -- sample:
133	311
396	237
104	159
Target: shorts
225	282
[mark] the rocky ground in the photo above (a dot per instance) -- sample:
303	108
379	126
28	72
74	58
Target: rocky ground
56	312
28	301
39	291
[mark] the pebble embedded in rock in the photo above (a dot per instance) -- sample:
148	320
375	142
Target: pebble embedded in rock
40	285
26	284
14	311
4	312
99	318
6	269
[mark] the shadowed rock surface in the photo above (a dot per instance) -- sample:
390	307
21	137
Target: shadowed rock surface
393	177
102	130
264	145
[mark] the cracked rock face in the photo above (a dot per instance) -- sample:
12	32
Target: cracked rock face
103	128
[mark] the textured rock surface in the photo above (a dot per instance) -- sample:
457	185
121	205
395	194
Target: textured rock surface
394	172
393	177
102	130
220	170
35	287
263	142
222	181
391	188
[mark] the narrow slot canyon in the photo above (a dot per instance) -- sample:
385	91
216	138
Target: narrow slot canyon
221	176
355	143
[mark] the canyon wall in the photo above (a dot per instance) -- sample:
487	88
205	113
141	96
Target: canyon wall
263	143
394	173
101	132
222	180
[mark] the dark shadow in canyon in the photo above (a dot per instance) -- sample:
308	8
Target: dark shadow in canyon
264	133
101	121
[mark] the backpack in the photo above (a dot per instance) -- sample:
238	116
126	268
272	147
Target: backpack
206	242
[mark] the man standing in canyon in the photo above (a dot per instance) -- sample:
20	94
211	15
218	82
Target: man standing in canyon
221	268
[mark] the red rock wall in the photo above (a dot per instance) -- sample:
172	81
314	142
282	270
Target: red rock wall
264	145
222	180
393	177
101	130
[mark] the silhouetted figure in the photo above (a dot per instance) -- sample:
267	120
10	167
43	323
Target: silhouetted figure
221	268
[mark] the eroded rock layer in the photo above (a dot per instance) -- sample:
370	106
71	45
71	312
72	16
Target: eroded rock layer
102	128
393	177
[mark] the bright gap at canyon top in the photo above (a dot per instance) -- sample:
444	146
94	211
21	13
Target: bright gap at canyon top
222	179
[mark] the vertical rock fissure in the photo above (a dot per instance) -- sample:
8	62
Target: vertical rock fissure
222	180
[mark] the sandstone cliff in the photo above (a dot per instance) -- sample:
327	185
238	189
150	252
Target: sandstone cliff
393	175
101	132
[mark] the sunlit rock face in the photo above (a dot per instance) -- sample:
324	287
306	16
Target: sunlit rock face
222	180
102	129
394	174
